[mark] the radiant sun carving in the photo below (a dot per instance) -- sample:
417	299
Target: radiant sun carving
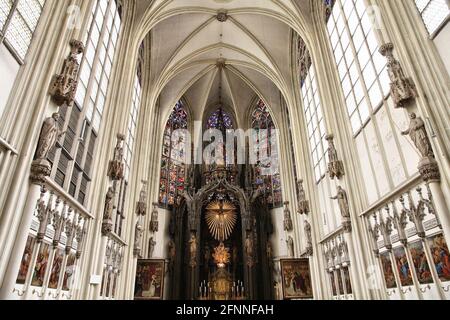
221	218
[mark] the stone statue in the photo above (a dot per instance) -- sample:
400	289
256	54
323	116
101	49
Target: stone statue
116	169
308	234
249	249
303	204
335	166
108	212
288	224
193	250
343	203
151	247
403	90
50	133
141	206
290	247
154	224
137	239
419	136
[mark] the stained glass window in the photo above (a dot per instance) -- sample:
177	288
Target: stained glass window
220	116
433	12
18	21
263	144
173	163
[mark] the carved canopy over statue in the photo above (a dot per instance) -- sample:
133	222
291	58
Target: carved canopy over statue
64	86
403	90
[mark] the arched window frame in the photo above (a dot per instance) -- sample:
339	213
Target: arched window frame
72	168
361	68
173	158
18	22
261	119
435	14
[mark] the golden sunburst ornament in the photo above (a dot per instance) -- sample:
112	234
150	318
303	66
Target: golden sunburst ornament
221	218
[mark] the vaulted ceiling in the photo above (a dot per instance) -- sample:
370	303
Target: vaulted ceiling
227	52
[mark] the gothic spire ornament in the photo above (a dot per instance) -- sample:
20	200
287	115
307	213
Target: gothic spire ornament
403	90
335	166
64	86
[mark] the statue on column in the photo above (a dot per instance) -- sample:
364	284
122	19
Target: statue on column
303	204
108	212
249	249
342	199
193	250
151	247
141	206
428	166
137	239
172	253
309	242
335	166
288	224
50	133
154	224
290	247
116	169
419	136
403	90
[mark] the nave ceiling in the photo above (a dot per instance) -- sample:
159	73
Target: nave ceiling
233	59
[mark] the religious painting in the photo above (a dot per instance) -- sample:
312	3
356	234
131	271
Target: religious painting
388	272
420	262
296	277
403	267
26	259
56	269
41	265
347	280
149	283
70	272
441	256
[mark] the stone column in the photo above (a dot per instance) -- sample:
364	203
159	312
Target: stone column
39	173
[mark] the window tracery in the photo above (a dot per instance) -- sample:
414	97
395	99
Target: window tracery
173	163
271	185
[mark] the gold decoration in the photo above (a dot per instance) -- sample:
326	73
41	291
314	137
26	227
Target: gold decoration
221	218
221	255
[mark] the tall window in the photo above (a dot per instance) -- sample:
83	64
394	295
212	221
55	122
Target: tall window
362	69
434	13
315	124
271	184
173	168
18	20
72	169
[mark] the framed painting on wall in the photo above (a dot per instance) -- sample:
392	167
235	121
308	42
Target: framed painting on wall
296	277
149	283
